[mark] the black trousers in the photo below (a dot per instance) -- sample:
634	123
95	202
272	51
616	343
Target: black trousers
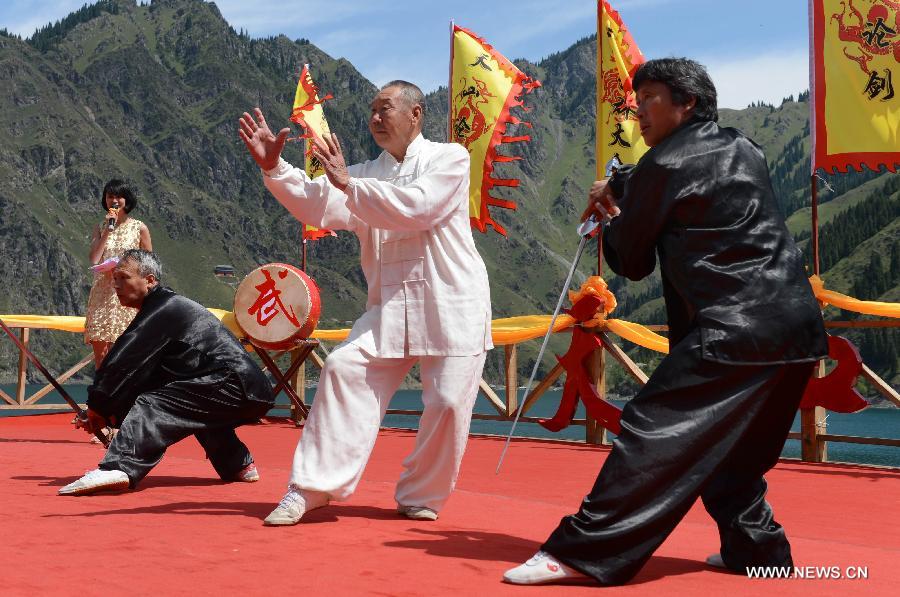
696	429
208	409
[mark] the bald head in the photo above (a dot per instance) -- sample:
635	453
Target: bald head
409	93
396	117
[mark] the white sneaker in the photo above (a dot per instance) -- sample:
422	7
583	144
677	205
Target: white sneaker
541	569
417	512
96	480
248	474
294	505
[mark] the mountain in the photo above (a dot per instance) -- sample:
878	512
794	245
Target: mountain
151	93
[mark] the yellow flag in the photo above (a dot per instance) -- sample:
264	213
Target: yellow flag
484	85
618	56
308	113
855	101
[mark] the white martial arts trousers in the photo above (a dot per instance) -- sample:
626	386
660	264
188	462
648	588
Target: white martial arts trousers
354	391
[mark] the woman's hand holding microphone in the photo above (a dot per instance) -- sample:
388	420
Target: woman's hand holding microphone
112	216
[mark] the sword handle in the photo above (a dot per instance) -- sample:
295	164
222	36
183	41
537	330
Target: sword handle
81	420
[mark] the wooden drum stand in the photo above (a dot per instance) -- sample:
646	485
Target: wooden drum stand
277	306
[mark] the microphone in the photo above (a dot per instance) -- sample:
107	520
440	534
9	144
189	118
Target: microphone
111	218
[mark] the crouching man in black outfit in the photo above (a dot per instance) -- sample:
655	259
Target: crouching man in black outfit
175	371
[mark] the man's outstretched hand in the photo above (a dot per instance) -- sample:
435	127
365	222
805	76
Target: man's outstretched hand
328	151
264	146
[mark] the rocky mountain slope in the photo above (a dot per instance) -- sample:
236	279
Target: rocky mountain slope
151	93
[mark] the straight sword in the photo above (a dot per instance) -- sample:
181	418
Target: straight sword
585	230
82	416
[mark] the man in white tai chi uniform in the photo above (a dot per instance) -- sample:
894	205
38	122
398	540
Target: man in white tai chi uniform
428	302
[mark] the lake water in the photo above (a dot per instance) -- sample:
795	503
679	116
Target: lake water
871	422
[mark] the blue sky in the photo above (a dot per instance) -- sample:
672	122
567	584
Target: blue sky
754	49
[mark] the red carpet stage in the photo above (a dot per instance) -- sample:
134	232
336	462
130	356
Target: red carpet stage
183	532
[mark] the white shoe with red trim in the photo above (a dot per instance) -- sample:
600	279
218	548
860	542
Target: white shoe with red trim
542	569
96	480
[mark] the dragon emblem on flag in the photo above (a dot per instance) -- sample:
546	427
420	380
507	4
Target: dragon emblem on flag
623	103
469	122
484	87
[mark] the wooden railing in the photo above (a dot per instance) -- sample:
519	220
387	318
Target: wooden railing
813	433
21	402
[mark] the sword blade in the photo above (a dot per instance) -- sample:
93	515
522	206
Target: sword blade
540	356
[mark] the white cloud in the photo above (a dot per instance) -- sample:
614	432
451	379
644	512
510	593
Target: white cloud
768	77
268	18
369	32
260	17
635	4
420	70
535	20
347	42
24	17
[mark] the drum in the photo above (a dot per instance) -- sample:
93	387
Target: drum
276	305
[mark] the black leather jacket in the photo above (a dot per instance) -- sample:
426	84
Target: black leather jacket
701	200
176	343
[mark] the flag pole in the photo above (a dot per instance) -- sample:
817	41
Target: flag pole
597	153
600	252
303	253
306	143
449	87
815	223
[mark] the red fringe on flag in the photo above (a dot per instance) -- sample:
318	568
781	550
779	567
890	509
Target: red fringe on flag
504	203
522	85
630	46
515	120
298	117
515	139
312	94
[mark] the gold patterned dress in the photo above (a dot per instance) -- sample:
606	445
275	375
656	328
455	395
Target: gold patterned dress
106	318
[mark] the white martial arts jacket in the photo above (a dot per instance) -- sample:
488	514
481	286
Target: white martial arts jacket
427	283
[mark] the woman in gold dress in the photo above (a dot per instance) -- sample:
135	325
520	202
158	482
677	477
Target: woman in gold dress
106	318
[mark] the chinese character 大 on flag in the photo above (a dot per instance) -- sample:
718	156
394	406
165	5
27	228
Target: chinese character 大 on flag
308	113
618	57
484	85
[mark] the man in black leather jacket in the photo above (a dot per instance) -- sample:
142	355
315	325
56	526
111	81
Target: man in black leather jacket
175	371
744	333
